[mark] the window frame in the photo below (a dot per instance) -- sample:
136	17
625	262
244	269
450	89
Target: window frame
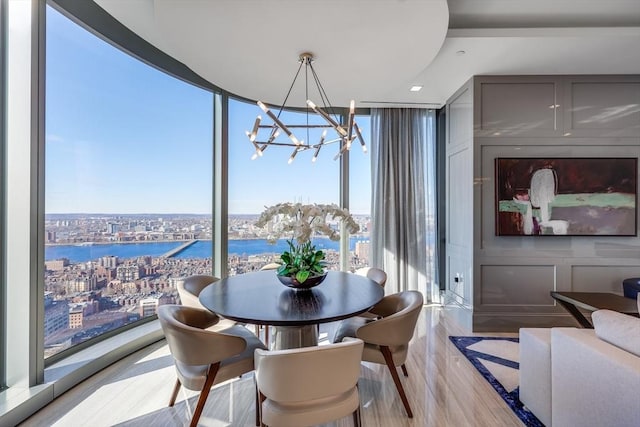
3	138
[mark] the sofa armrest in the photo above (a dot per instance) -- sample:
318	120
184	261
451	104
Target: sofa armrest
594	383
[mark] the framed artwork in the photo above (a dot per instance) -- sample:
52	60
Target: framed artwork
566	196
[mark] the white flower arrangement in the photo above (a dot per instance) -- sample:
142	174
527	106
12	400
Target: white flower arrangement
301	222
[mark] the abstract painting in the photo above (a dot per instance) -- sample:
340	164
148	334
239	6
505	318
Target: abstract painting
566	196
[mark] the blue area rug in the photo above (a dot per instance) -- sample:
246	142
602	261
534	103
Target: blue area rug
496	358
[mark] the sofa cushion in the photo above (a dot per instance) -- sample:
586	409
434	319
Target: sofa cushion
618	329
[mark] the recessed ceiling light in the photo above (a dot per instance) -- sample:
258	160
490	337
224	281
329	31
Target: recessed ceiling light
415	88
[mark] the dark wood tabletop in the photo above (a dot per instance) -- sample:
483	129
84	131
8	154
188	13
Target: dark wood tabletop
592	301
260	298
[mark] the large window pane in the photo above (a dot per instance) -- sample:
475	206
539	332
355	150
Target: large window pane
128	184
360	197
270	179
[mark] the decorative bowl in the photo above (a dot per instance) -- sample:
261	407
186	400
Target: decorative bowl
312	281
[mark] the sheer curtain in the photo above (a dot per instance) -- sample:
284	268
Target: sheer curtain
403	198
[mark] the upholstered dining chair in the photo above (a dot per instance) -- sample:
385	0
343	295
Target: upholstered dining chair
386	339
203	357
189	289
376	274
310	385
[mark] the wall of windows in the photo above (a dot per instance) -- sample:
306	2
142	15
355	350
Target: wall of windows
128	190
256	182
126	182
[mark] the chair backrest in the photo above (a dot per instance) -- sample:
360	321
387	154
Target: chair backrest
190	288
373	273
309	373
399	316
189	342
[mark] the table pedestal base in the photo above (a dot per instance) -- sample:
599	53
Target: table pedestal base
294	337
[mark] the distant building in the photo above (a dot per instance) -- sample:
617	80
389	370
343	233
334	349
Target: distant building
149	305
363	249
76	315
56	315
56	264
128	273
81	284
108	261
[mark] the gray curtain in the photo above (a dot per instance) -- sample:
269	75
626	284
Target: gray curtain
399	221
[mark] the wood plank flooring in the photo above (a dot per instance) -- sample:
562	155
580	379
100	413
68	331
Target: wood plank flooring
443	388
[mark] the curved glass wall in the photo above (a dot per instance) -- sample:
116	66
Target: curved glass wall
257	182
128	191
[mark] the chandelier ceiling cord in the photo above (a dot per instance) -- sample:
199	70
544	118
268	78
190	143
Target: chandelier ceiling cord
344	136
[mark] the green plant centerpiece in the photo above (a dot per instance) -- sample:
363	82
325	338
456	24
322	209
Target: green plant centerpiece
303	266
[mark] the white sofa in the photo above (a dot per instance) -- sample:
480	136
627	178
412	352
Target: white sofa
583	377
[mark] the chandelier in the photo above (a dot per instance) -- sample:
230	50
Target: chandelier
262	136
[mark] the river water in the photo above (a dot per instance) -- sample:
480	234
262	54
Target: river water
200	249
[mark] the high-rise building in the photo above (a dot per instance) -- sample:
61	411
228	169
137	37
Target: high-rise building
363	249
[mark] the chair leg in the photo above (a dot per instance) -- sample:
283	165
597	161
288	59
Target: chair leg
208	383
404	370
258	405
357	417
262	398
176	389
266	335
396	379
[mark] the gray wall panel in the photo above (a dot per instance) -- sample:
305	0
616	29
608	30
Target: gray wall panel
601	278
510	285
513	275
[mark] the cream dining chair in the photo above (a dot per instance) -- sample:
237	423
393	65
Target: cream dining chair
386	339
203	357
376	274
189	289
310	385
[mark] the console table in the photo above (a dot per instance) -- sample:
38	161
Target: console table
592	301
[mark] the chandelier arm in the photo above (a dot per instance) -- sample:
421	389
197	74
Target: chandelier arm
290	89
323	94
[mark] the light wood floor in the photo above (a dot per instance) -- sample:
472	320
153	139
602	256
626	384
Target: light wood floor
443	389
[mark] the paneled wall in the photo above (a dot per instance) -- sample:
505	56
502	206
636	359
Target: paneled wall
507	279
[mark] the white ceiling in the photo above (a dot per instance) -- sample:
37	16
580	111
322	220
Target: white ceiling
373	51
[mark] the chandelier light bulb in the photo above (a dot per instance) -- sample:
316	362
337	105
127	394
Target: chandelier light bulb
254	132
293	155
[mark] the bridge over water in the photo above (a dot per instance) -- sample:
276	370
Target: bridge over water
176	251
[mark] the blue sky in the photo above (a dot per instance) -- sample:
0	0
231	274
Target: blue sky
123	137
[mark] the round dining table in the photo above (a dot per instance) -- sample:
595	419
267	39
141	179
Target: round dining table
259	298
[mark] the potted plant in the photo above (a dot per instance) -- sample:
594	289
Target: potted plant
302	266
